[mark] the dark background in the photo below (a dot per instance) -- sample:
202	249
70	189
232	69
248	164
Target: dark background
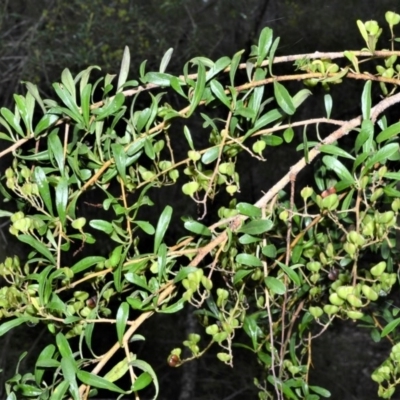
38	39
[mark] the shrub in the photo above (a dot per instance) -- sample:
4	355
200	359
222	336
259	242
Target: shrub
280	270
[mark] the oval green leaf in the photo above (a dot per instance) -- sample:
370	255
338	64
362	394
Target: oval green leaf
210	155
197	228
86	263
98	382
248	259
342	172
101	225
283	98
122	318
257	227
275	285
162	227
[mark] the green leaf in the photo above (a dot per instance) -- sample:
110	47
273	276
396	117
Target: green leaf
218	66
33	90
241	274
117	371
4	213
121	319
210	155
124	70
45	122
102	225
337	77
365	137
98	382
158	78
135	303
70	103
25	111
375	335
120	160
382	155
248	259
38	246
269	251
6	326
12	120
188	137
335	150
257	227
86	263
258	93
234	65
85	104
145	367
68	82
366	100
275	285
198	89
390	327
84	76
299	98
197	228
264	120
111	107
290	272
48	363
68	367
162	261
319	390
335	165
183	273
173	308
328	105
60	390
272	54
136	146
288	135
353	59
63	346
44	190
249	210
56	148
389	132
252	329
363	31
149	149
272	140
166	59
142	381
264	44
145	227
162	227
219	92
29	390
389	175
62	199
283	98
45	289
245	112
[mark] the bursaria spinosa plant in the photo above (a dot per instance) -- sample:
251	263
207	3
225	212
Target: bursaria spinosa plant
281	269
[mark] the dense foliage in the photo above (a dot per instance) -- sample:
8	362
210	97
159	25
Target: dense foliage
280	270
